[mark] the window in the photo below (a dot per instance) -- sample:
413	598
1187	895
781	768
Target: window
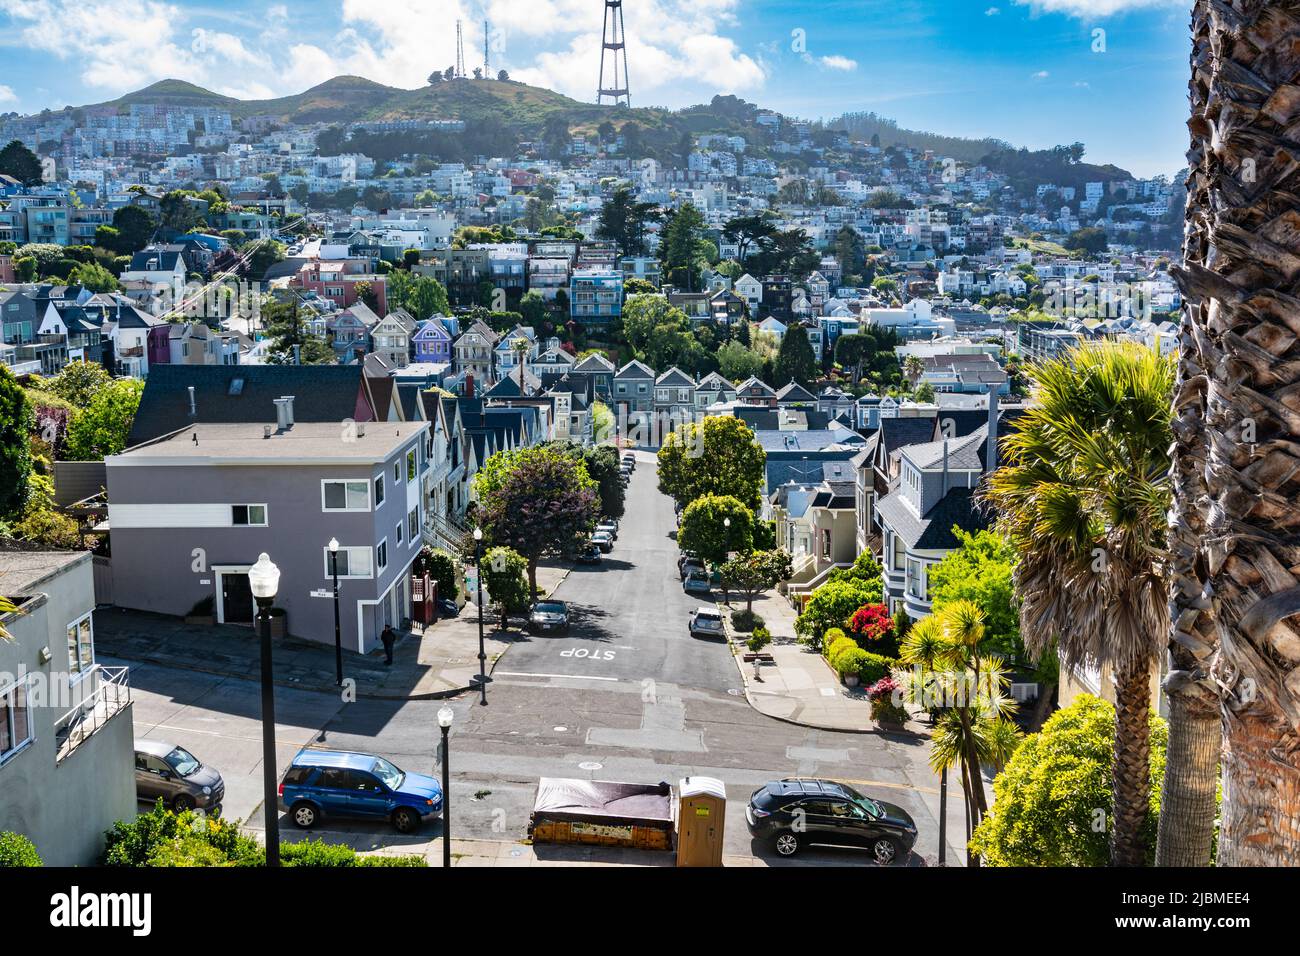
379	491
353	563
399	532
413	524
382	554
915	585
410	465
900	556
15	723
397	473
248	515
826	543
81	646
345	496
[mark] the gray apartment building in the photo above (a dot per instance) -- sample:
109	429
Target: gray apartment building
190	512
67	755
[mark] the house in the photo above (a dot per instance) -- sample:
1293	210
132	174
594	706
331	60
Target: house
601	371
674	399
193	343
191	511
792	393
596	296
472	353
390	339
751	290
816	524
154	267
835	402
349	331
712	390
754	391
774	326
516	347
727	308
695	305
634	400
431	342
554	361
138	338
64	779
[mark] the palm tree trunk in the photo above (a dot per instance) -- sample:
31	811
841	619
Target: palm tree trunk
1241	280
1131	771
1187	802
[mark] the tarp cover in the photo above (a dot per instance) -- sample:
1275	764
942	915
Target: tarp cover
577	800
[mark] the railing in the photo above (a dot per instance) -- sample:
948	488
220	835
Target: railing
112	693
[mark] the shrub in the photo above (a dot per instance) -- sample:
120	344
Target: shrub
17	850
883	709
442	568
874	629
850	661
744	620
759	639
875	667
316	853
838	647
162	837
832	635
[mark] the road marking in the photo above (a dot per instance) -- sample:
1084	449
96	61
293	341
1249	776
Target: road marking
565	676
883	783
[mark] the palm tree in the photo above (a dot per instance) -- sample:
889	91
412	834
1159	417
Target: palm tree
1083	497
913	368
1238	374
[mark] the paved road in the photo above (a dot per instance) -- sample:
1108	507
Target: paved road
645	702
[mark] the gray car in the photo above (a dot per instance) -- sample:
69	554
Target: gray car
183	781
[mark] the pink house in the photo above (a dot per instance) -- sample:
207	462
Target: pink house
338	280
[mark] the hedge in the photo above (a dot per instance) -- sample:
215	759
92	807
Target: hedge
17	850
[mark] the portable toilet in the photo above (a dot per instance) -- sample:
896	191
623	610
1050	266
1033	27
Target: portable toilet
701	819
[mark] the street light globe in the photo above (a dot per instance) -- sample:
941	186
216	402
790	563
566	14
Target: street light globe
478	534
445	716
726	522
334	545
264	577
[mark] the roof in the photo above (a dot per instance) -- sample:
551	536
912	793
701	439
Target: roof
22	568
963	454
237	443
675	376
246	393
794	392
934	531
897	432
635	369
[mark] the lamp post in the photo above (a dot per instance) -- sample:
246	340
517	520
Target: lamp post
338	635
482	654
264	580
726	533
444	722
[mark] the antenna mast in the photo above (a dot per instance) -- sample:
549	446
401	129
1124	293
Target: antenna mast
614	52
460	51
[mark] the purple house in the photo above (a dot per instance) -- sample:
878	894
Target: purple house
431	341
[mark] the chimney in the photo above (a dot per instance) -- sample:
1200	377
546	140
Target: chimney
288	407
944	493
469	384
361	429
991	441
194	408
283	414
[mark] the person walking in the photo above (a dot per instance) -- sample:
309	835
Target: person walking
389	638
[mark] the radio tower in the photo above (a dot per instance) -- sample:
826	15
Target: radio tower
614	52
487	59
460	52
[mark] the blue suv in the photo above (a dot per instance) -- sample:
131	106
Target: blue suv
325	783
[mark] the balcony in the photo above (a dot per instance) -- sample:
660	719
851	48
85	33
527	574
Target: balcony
111	695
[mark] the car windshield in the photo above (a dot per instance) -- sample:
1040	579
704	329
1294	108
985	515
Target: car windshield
390	775
182	761
866	803
549	608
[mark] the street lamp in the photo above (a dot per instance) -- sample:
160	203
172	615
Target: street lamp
445	716
482	654
726	534
338	636
264	580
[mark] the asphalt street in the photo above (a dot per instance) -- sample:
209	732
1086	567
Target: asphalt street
626	694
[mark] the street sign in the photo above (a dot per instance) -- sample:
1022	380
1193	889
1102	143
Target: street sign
322	592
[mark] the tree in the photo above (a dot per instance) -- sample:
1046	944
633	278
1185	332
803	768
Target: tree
538	501
738	363
441	567
503	76
102	427
422	296
1082	499
680	250
833	603
15	448
94	277
21	163
17	850
79	382
717	456
795	361
755	572
624	221
1046	799
1233	572
913	369
532	307
747	232
504	578
135	227
923	393
715	525
291	340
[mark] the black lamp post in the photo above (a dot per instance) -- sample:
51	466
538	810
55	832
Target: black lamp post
264	580
338	634
444	723
726	534
482	654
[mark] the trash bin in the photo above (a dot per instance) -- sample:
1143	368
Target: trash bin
701	821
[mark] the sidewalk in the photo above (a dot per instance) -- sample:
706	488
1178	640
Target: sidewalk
427	664
799	687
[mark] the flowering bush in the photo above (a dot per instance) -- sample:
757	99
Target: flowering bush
882	695
875	629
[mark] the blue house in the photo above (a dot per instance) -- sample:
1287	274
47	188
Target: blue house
431	341
596	296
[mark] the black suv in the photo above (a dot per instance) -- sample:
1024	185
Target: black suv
802	811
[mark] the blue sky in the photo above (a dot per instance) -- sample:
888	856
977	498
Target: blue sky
1109	73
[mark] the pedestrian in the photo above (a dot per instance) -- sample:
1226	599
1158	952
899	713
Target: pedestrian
389	638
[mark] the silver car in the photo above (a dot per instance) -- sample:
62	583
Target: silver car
173	773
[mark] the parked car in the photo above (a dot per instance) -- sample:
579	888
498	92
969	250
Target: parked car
183	781
697	582
706	622
610	527
589	553
549	616
691	565
629	460
801	811
335	783
603	540
447	607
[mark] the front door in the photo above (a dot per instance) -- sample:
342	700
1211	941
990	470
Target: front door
236	598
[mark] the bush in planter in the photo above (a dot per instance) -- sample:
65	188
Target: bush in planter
744	620
874	667
850	661
883	709
17	850
316	853
837	648
759	640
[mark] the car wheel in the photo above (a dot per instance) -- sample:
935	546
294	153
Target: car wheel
304	816
885	850
183	802
786	844
405	819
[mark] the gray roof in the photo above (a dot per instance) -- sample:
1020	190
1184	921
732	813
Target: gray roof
324	442
934	531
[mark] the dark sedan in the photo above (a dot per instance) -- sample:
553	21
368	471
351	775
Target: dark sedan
801	811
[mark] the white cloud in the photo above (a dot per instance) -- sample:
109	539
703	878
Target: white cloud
1040	75
1082	85
1095	8
992	12
7	95
837	62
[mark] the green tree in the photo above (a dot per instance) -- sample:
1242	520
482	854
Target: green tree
441	567
102	427
135	227
795	361
15	448
714	526
833	603
1082	498
17	850
284	326
79	382
755	572
538	501
625	221
717	456
680	249
604	467
747	232
21	163
1047	797
505	577
737	363
532	307
94	277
